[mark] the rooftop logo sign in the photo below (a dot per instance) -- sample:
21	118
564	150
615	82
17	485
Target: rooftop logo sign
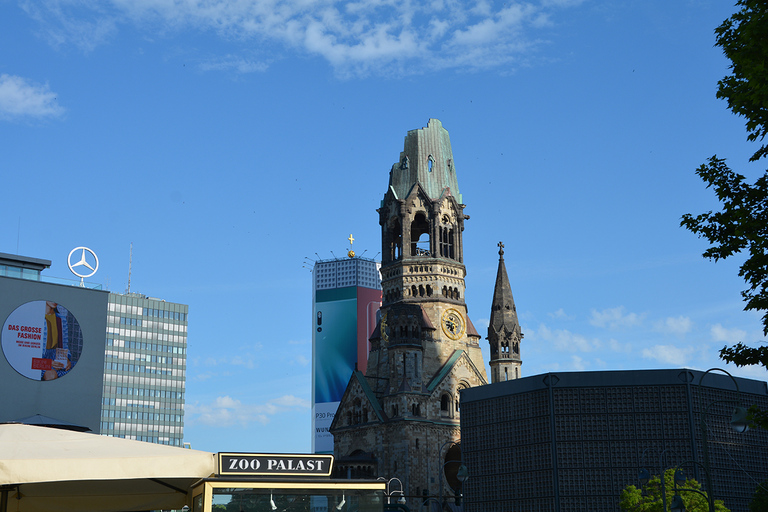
265	464
91	263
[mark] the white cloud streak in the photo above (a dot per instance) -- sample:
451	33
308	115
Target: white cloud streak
730	336
615	318
677	326
21	98
669	354
226	411
356	38
566	341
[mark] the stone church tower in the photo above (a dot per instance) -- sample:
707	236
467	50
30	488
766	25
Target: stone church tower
400	417
504	334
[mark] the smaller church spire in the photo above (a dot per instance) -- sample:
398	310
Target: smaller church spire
504	333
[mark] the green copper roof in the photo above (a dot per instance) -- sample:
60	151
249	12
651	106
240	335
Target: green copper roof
369	394
426	159
444	370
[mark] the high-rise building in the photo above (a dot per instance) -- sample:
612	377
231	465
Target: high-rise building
74	354
346	296
144	369
400	417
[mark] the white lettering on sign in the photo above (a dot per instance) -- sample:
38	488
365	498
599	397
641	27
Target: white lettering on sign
245	463
294	465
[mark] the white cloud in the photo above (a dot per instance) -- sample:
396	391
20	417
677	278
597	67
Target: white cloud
20	98
356	38
234	63
730	336
675	325
560	314
565	340
247	362
617	346
669	354
226	411
577	364
83	24
615	318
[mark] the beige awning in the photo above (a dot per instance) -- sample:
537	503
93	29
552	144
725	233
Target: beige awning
44	469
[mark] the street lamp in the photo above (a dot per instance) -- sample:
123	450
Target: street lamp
645	476
677	504
389	493
462	474
739	423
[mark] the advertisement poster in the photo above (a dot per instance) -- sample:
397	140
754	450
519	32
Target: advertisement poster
335	348
42	340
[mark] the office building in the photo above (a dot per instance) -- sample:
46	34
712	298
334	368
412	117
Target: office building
75	354
144	369
571	441
346	296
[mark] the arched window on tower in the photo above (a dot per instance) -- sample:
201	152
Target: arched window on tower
446	240
445	406
395	240
420	235
462	385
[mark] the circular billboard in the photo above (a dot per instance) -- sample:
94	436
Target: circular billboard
42	340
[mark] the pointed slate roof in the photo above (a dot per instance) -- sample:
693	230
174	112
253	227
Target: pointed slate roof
503	310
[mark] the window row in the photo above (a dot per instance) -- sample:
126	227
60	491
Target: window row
154	393
140	345
143	416
123	367
161	313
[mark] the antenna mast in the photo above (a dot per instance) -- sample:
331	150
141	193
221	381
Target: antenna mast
130	264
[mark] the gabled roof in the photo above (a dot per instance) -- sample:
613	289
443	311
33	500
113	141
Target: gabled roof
359	379
449	366
445	370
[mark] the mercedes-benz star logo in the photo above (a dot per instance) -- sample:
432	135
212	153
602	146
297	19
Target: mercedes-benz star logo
83	263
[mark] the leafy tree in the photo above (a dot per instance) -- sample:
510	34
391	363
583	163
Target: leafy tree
742	224
648	499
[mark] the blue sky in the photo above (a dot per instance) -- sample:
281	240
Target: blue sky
230	141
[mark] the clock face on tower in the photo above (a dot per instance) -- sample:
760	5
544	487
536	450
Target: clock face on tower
453	324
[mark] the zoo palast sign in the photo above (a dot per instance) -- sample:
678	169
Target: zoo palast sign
274	464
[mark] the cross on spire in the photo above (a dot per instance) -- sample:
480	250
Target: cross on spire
351	239
501	248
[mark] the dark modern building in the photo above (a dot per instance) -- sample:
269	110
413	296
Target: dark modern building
571	441
75	354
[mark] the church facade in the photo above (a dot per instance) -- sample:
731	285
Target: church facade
399	416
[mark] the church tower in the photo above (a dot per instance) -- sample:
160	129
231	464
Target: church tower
401	418
504	334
